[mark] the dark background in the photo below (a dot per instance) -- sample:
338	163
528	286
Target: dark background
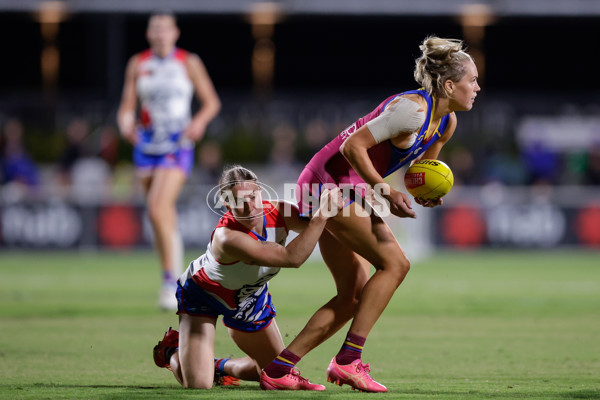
330	69
323	53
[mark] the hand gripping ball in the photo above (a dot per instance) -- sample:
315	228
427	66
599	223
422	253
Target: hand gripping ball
428	179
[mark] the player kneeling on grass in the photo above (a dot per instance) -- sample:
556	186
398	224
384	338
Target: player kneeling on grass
247	248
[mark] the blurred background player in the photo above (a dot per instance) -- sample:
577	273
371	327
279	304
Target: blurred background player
231	279
164	79
17	168
403	128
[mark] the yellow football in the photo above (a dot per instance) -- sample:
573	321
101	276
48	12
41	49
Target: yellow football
428	179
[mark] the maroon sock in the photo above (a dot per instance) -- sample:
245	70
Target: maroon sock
351	349
282	364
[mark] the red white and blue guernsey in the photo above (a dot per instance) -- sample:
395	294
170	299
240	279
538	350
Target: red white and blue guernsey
165	92
329	166
236	290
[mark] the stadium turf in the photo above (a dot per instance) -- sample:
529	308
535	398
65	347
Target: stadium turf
464	325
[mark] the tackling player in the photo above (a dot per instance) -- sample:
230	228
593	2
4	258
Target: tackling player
247	249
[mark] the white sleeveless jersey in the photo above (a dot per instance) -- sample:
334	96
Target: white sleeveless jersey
165	92
231	283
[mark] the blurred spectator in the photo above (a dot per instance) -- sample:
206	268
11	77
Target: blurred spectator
504	168
543	165
573	168
90	180
17	166
77	131
592	170
85	170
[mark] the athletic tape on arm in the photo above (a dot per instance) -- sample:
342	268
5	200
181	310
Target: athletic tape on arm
400	115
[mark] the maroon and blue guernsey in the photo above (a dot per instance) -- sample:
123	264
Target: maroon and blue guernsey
329	166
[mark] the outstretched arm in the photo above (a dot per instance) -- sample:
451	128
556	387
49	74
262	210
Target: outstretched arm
291	214
229	245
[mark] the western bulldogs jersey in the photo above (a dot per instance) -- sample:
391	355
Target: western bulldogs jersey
241	289
165	92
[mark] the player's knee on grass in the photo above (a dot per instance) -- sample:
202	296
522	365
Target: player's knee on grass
197	378
198	382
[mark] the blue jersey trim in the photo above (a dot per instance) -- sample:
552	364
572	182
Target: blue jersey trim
262	239
401	157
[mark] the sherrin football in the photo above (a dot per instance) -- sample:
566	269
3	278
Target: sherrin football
428	179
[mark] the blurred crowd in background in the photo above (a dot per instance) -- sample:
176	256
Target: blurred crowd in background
84	157
289	83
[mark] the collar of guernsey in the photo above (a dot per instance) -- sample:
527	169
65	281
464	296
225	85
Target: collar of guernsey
401	157
271	219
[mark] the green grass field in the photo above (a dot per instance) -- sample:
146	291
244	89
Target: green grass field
481	325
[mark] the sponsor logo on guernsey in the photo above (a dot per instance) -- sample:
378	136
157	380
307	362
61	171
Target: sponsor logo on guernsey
348	131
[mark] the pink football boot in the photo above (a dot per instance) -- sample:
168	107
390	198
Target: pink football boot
355	374
291	381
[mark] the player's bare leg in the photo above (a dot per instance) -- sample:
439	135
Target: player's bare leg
166	355
261	347
350	273
370	237
196	352
163	190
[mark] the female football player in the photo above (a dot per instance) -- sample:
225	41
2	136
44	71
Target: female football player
246	250
404	127
164	79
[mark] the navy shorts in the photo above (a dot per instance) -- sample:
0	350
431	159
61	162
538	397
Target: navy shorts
253	314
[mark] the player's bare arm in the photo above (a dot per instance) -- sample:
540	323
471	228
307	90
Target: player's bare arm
230	245
291	215
355	150
206	94
126	112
